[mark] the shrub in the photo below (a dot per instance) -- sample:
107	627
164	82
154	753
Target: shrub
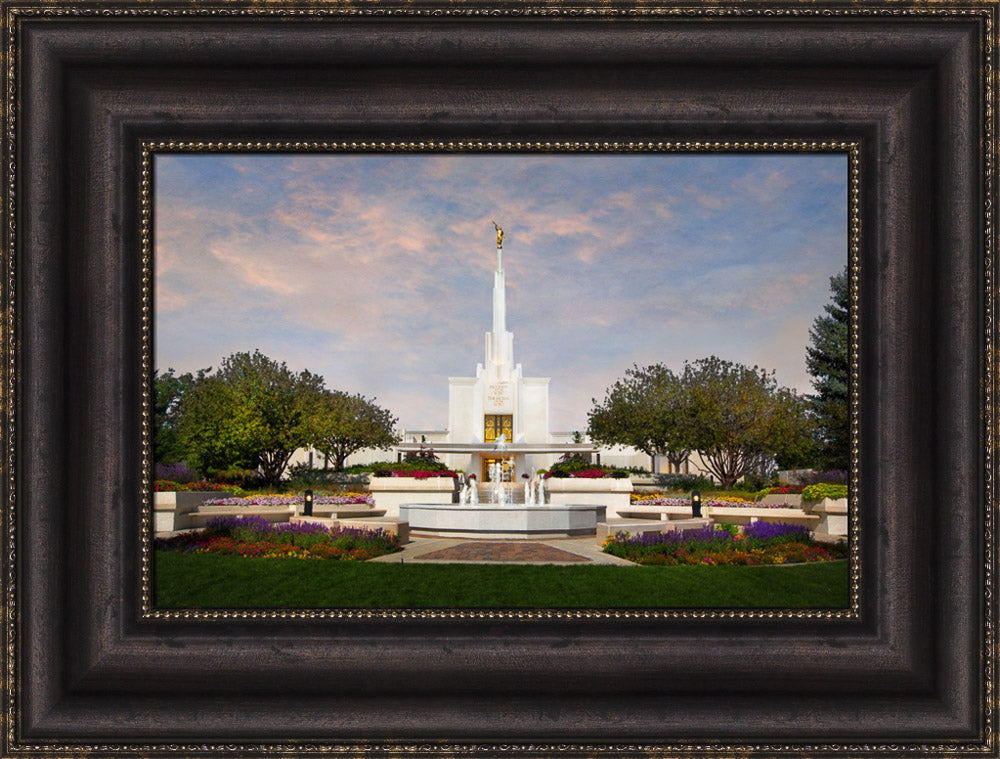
833	477
247	479
425	458
684	482
758	482
823	490
174	473
415	464
636	470
573	462
167	486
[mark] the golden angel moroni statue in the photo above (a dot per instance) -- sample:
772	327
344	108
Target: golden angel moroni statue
499	235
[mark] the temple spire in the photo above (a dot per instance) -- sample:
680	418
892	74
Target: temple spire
499	288
499	246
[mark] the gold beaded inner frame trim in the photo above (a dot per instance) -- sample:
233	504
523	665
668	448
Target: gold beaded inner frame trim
149	149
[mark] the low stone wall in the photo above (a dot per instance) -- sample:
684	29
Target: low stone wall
832	513
172	509
598	491
391	492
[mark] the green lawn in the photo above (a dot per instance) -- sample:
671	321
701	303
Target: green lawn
208	580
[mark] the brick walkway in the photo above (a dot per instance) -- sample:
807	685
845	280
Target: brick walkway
512	551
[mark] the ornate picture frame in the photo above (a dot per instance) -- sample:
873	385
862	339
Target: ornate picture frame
90	668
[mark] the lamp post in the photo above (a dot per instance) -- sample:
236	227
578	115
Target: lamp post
695	503
308	508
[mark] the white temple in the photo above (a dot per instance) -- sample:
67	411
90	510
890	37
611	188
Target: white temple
498	415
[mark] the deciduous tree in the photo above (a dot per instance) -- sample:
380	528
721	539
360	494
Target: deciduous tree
168	389
342	424
251	413
645	410
740	415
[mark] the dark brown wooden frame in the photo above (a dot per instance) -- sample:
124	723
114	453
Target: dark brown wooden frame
85	669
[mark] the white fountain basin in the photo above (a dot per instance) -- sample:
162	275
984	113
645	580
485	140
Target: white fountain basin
510	520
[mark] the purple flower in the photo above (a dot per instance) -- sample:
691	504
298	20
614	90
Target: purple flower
225	524
767	531
675	537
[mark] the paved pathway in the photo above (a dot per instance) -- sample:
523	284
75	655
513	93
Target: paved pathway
569	551
517	553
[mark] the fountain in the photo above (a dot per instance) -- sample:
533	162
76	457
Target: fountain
502	516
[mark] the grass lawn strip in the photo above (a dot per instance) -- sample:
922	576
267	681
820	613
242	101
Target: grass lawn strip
220	581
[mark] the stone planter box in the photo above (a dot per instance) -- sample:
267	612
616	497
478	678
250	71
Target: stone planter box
790	499
390	492
172	509
598	491
832	513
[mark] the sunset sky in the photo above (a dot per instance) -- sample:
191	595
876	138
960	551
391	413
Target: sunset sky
375	271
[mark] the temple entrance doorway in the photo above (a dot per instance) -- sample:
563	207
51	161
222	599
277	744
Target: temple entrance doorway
506	462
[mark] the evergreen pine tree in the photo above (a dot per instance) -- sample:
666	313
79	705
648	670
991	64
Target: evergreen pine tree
827	363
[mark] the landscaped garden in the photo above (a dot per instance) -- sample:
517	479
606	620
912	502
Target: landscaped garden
255	537
247	562
755	544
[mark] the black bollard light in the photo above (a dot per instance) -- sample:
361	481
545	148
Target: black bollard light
308	509
695	503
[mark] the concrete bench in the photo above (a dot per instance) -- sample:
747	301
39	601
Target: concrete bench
656	512
347	512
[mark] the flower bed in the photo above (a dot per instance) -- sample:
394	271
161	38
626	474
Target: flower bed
657	499
419	474
291	500
757	543
168	486
588	474
823	490
254	537
783	490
